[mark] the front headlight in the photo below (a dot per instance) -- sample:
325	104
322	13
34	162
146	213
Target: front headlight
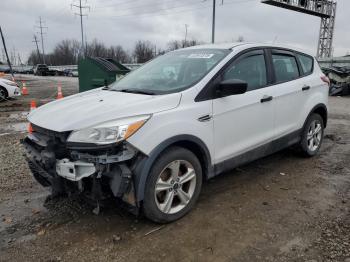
109	132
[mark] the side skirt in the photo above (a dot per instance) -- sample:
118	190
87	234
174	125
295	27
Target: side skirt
259	152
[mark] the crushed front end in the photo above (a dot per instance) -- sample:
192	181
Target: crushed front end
98	172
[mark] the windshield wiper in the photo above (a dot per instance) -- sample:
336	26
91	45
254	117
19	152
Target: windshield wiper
137	91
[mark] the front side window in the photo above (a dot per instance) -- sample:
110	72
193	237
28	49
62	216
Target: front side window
286	67
172	72
251	69
307	63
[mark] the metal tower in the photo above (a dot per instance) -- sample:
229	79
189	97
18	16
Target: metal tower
325	9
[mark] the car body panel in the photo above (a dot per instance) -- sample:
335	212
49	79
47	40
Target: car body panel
97	106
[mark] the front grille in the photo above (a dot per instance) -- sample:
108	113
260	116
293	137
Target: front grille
62	136
55	142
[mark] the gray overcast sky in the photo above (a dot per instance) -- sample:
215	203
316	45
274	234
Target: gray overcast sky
159	21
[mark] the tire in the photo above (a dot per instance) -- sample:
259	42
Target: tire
168	174
3	94
312	136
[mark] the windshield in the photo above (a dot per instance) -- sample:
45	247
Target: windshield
172	72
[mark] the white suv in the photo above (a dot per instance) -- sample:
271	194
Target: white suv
151	138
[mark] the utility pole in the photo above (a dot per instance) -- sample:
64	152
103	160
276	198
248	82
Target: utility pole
186	26
213	24
41	22
37	46
7	56
81	14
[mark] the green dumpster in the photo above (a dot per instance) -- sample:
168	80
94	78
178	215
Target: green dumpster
95	72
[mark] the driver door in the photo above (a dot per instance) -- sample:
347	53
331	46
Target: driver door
244	122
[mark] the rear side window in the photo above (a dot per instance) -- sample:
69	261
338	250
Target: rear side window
286	67
251	69
307	63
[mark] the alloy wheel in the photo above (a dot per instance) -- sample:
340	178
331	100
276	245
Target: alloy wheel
175	186
314	135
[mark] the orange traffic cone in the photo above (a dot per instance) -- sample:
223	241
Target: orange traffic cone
30	128
24	89
59	92
32	105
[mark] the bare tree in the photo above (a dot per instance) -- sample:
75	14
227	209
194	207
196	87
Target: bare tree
240	39
174	44
118	53
33	58
65	53
96	48
143	51
177	44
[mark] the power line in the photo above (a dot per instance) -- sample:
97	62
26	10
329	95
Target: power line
142	6
81	8
154	12
41	22
158	10
120	3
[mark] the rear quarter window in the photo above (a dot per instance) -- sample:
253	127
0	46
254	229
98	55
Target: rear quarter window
307	64
286	67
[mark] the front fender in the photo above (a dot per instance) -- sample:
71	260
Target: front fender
145	163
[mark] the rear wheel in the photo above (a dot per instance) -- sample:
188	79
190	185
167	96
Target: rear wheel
3	93
312	136
173	185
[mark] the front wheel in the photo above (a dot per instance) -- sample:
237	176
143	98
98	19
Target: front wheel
3	94
173	185
312	135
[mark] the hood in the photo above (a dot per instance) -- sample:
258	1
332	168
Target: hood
98	106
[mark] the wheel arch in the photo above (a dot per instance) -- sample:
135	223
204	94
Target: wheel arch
190	142
320	109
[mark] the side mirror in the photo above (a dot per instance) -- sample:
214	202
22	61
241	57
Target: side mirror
231	87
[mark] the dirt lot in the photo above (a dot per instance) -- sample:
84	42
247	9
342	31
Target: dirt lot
280	208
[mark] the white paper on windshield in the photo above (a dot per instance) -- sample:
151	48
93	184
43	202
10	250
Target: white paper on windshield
201	55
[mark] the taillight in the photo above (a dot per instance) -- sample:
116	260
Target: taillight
326	80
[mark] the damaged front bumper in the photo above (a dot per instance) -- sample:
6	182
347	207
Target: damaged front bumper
96	172
74	170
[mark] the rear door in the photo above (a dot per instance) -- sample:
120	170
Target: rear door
287	92
243	122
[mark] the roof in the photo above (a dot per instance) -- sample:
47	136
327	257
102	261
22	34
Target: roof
247	44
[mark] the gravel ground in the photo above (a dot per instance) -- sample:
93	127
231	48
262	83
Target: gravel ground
280	208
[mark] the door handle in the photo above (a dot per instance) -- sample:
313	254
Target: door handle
204	118
305	88
266	99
